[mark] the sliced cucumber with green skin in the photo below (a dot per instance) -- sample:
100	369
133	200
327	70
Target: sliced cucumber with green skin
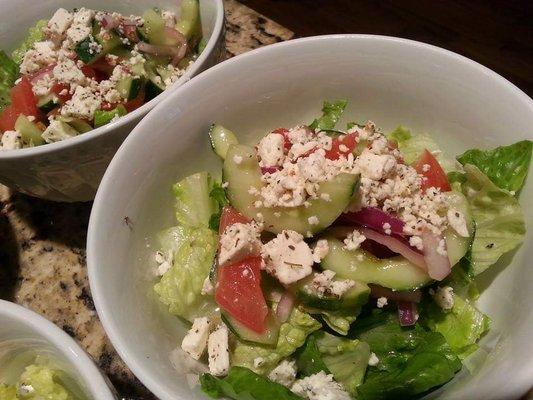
352	300
85	50
154	87
457	246
247	174
29	132
189	22
221	139
129	87
102	117
153	28
47	103
269	337
79	124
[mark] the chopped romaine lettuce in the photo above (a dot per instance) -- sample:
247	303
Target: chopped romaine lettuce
499	220
180	288
244	384
8	392
462	326
194	205
337	321
9	72
411	360
219	195
401	134
35	34
331	113
292	334
506	166
344	358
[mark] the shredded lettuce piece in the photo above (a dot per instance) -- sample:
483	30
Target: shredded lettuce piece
244	384
8	392
500	225
411	361
292	334
35	34
505	166
219	195
346	359
401	134
331	113
337	321
9	73
180	288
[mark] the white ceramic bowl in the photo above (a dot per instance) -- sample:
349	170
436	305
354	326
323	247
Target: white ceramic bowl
71	170
24	332
391	81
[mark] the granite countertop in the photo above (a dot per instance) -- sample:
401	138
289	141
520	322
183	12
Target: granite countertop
42	244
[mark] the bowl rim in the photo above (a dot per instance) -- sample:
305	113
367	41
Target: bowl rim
138	113
94	379
108	181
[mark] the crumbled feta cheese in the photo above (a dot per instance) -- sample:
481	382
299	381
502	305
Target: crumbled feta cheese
195	341
67	71
324	285
225	185
41	55
237	159
387	228
426	167
375	167
381	302
416	241
457	221
164	262
83	104
258	362
11	140
313	220
320	387
354	240
239	241
443	296
58	24
57	131
284	373
24	390
325	196
218	350
169	17
270	150
207	287
321	250
373	360
441	248
287	257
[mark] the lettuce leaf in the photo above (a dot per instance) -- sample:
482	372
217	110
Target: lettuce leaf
35	34
337	321
9	73
193	251
344	358
331	113
218	194
411	360
500	225
244	384
8	392
462	326
506	166
292	335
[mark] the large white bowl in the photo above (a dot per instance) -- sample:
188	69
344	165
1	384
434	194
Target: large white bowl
71	170
24	332
388	80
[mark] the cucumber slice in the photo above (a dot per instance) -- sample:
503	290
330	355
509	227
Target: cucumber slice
79	124
47	103
154	87
86	52
189	22
29	132
269	337
102	117
221	139
153	28
395	273
352	300
457	246
129	87
241	177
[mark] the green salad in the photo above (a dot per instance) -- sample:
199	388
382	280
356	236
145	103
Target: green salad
332	263
84	68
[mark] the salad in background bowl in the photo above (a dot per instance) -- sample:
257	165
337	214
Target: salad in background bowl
88	72
333	263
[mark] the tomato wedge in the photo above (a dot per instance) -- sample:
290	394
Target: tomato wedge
23	100
62	92
8	118
135	103
229	217
341	146
238	292
285	133
433	174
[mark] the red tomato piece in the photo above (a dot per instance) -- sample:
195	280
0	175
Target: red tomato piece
342	146
62	91
23	100
102	67
239	293
285	133
8	118
229	217
41	73
135	103
432	173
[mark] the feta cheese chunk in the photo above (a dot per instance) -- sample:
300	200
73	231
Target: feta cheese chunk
41	55
164	262
83	104
207	287
324	285
354	240
287	257
218	350
284	373
374	166
321	250
443	296
457	221
373	360
238	242
11	140
320	387
59	23
195	342
68	72
381	302
57	131
270	150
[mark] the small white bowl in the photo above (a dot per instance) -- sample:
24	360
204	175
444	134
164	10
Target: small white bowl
390	81
71	170
23	331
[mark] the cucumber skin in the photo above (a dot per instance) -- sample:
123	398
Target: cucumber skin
269	338
221	139
352	300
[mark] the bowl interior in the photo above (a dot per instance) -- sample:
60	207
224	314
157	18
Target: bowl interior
390	81
25	335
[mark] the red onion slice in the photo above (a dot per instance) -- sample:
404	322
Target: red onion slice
396	245
375	218
165	51
269	170
377	291
181	53
109	22
175	37
37	76
285	306
407	313
438	265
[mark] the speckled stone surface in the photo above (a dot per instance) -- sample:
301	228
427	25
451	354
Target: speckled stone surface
42	244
